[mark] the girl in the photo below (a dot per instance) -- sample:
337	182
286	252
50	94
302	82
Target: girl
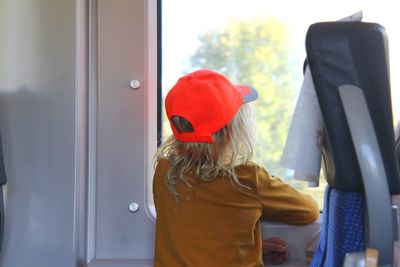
208	195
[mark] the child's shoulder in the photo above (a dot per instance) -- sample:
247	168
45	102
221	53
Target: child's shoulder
249	165
251	169
161	168
253	175
162	164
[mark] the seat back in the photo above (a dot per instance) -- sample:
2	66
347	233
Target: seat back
349	66
3	181
343	228
353	53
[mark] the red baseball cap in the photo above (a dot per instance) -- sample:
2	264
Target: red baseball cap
208	100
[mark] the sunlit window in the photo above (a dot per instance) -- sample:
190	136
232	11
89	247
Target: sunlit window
262	44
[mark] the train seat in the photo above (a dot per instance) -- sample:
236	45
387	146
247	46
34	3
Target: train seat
3	181
349	67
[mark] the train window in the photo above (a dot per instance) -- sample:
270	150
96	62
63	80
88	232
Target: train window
260	43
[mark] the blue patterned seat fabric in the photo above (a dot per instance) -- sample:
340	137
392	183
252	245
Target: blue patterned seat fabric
343	229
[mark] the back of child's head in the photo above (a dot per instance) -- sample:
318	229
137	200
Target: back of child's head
211	127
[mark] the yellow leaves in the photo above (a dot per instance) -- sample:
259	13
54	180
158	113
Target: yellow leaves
256	52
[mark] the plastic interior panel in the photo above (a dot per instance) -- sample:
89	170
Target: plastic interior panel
3	177
352	53
379	231
3	181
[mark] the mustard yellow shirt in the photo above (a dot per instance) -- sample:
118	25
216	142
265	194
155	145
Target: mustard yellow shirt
217	224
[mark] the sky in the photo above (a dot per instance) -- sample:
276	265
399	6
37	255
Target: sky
184	20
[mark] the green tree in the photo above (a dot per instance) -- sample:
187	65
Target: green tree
256	53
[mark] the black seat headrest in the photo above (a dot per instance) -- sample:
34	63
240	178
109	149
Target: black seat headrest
355	53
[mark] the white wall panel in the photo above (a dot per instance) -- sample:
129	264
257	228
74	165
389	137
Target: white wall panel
37	122
118	169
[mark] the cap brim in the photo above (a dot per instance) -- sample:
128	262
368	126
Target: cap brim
248	92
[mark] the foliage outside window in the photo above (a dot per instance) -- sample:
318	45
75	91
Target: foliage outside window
253	47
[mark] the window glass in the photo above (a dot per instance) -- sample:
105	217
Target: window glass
260	43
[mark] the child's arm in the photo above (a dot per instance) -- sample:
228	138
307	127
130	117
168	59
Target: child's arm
282	203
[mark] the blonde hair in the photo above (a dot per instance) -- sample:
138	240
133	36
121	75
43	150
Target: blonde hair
232	146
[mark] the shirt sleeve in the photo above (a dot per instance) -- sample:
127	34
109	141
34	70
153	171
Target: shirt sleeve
282	203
